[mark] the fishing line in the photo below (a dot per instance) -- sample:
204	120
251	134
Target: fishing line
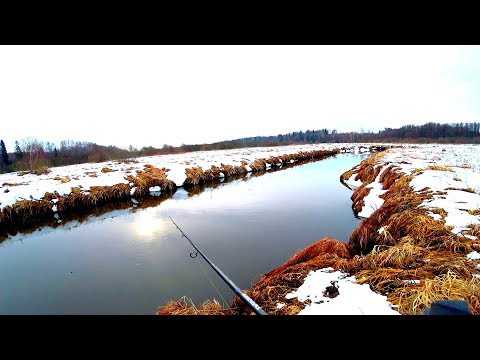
252	304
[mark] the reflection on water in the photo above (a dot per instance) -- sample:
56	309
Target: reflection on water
132	259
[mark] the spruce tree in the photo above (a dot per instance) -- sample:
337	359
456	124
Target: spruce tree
4	154
18	151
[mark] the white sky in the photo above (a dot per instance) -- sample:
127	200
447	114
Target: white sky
152	95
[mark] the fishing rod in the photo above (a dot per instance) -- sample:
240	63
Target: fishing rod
252	304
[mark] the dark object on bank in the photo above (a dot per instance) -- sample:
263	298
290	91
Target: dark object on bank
332	291
448	307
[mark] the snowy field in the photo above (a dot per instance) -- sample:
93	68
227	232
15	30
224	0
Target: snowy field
15	186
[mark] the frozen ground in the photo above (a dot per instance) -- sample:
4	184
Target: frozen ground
15	186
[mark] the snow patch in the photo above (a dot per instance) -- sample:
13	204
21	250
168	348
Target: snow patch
473	256
353	298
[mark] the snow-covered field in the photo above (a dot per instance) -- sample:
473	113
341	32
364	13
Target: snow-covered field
452	172
15	186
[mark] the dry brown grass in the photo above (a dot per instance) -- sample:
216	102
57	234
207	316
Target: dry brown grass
367	171
150	177
258	165
14	184
195	176
439	211
464	166
41	170
127	161
25	213
389	176
185	306
474	230
358	196
445	287
440	168
97	195
230	170
107	170
469	190
62	179
212	174
347	175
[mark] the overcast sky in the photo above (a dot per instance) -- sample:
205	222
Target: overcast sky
152	95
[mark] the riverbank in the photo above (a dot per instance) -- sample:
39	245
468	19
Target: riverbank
27	199
418	242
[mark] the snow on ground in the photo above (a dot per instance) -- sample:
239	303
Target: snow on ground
373	200
453	177
474	255
352	298
15	186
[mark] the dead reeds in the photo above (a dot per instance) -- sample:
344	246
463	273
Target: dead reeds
107	170
185	306
150	177
440	168
469	190
449	286
25	213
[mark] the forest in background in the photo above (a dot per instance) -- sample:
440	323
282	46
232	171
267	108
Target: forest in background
31	154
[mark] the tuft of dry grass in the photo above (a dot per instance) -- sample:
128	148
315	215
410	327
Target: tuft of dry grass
470	190
107	170
389	176
62	179
25	213
368	171
358	196
212	174
185	306
439	211
41	170
14	184
347	175
150	177
127	161
258	165
440	168
448	286
474	230
195	176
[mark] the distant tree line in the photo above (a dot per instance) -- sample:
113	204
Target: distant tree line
30	154
430	132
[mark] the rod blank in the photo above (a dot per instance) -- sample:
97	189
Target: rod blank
252	304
